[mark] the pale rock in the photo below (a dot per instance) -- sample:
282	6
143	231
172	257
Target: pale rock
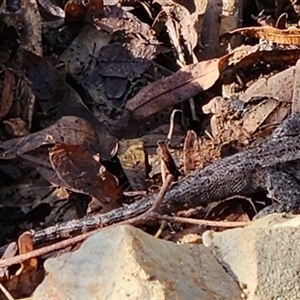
265	256
123	262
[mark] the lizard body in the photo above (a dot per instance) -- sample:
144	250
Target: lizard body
243	173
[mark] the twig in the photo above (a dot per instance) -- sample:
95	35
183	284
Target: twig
6	292
199	222
161	194
172	121
146	216
160	229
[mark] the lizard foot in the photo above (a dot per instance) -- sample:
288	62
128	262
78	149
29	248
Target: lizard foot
292	207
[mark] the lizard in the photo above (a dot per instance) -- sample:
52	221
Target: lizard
268	167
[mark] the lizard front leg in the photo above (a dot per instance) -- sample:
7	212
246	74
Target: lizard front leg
283	185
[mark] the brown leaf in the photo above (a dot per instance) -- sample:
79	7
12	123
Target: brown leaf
290	36
72	105
278	86
257	115
75	11
191	152
168	165
288	57
27	277
26	245
8	93
68	130
50	175
82	173
40	160
47	83
133	158
182	85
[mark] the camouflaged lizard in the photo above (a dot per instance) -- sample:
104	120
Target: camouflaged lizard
272	167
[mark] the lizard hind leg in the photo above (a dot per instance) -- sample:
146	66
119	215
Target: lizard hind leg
283	185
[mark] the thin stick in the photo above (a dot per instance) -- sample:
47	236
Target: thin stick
6	292
161	194
200	222
172	121
161	228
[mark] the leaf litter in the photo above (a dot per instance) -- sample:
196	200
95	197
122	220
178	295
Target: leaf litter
87	95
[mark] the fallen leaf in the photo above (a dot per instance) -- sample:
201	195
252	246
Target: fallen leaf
256	116
10	251
180	25
133	161
232	209
8	93
68	129
290	36
47	83
52	9
180	86
191	153
27	277
95	9
168	165
278	86
74	10
128	60
82	173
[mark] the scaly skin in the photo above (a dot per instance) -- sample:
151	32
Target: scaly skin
241	174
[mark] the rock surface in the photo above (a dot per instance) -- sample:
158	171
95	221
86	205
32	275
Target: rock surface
265	256
123	262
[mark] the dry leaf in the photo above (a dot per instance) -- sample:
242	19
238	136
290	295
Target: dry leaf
168	165
182	85
31	37
257	115
191	153
47	83
290	36
278	86
82	173
133	161
8	93
69	130
75	11
52	9
10	251
27	277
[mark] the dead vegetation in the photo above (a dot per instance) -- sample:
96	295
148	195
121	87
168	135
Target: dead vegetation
88	91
